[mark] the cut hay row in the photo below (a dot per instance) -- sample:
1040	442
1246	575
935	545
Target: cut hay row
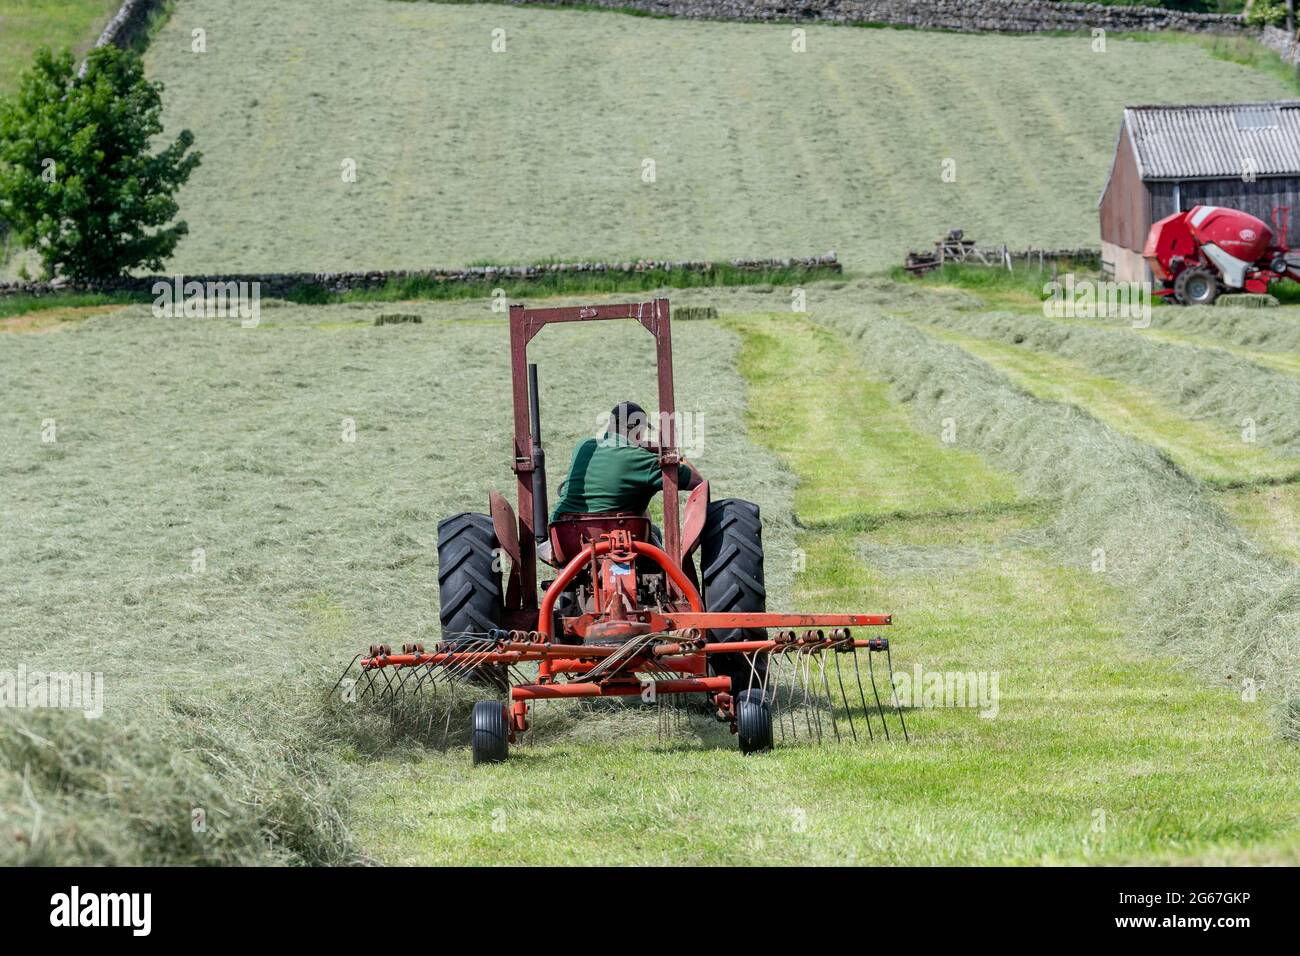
1204	384
1212	454
1202	591
1263	331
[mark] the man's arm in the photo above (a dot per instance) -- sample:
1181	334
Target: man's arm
688	476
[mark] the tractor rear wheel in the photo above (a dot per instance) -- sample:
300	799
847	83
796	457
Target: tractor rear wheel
469	578
754	721
491	742
731	565
1196	286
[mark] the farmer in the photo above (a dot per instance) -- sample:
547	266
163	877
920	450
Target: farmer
616	472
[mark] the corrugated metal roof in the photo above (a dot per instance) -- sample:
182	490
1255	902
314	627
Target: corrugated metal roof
1217	140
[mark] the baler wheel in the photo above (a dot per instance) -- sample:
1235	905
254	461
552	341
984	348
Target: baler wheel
491	742
469	587
754	721
731	563
1196	286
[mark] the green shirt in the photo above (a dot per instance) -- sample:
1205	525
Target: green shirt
610	474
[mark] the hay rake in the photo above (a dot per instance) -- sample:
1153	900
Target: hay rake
628	613
807	686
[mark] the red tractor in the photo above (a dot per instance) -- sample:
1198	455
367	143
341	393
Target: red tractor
626	612
1198	254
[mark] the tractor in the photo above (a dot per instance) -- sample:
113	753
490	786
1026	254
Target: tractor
627	612
1198	254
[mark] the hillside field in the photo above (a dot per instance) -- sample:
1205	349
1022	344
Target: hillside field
464	155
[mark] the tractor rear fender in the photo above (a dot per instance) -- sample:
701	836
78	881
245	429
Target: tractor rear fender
693	518
507	529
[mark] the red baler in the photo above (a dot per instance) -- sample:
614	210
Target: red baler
1196	255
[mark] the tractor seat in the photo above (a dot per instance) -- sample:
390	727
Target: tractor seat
569	532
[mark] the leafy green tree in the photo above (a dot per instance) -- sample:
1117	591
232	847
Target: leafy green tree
78	182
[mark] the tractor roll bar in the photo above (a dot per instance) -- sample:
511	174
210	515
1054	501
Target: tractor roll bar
524	325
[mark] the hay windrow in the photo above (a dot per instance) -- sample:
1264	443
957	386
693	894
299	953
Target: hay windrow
1248	328
1200	589
1204	384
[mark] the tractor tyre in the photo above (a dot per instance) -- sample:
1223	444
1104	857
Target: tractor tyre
491	741
731	571
469	586
1196	286
754	721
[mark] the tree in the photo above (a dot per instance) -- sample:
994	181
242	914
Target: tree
78	182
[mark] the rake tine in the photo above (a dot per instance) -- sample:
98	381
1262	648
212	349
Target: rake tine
774	665
805	677
346	671
402	676
821	663
446	728
369	676
845	697
427	676
752	659
474	656
762	687
871	672
866	712
472	659
889	659
388	682
794	680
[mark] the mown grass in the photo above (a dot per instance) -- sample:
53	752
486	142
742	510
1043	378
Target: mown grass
870	466
314	547
1204	385
200	532
1213	454
464	155
1271	515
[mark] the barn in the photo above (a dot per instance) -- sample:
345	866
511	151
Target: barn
1171	158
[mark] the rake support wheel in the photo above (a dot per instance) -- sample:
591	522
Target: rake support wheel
754	721
731	561
491	741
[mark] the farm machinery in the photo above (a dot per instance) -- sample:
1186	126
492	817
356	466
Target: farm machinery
627	613
1198	254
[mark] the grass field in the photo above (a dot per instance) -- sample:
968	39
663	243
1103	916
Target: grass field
218	518
26	25
175	435
462	154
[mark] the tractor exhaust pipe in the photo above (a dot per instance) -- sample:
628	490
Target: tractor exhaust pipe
541	514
